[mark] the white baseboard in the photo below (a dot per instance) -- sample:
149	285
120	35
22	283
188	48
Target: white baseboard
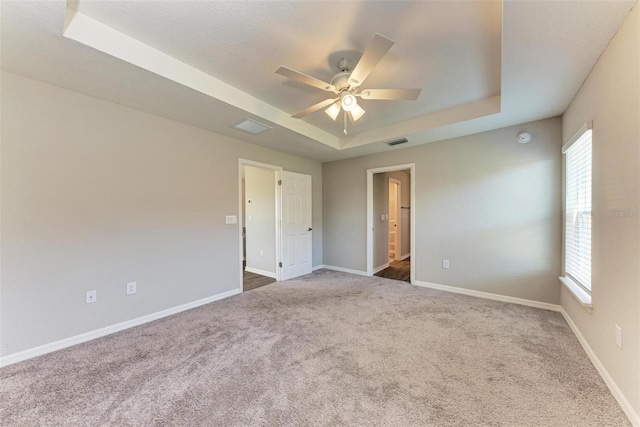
345	270
613	387
405	256
317	267
260	272
380	268
108	330
634	418
487	295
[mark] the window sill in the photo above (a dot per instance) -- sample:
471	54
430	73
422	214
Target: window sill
580	294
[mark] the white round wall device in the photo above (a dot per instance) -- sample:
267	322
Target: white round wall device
524	137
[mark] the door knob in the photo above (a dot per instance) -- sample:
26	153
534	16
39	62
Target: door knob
310	229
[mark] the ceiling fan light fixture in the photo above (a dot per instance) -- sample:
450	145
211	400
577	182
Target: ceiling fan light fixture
349	101
346	84
356	113
333	110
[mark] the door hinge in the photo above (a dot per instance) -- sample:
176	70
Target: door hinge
279	182
280	264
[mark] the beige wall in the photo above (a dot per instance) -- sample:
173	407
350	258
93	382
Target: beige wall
260	217
95	195
485	202
610	97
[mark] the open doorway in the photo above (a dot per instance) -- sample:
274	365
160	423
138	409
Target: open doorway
275	230
390	219
395	219
259	214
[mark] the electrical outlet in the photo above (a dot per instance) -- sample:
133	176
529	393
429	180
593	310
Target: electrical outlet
445	263
91	296
131	288
619	337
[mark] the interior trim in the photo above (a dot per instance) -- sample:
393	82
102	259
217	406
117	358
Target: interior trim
634	418
585	127
487	295
380	268
344	270
580	294
278	214
370	220
260	272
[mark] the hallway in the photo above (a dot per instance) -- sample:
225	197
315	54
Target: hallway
397	270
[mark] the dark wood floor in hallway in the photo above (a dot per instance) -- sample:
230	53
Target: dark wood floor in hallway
397	270
252	281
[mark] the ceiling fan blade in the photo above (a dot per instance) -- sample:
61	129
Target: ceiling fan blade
391	94
314	108
303	78
378	48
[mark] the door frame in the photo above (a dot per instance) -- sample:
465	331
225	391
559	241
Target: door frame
398	233
412	221
278	203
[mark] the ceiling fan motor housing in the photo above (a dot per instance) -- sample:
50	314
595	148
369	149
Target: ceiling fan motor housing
341	80
346	84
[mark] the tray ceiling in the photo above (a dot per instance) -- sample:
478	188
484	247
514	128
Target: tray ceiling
481	65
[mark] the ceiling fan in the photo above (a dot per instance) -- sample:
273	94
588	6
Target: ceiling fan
346	84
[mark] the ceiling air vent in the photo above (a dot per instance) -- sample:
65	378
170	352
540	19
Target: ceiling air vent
397	142
252	127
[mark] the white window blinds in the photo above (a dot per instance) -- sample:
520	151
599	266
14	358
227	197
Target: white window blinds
578	210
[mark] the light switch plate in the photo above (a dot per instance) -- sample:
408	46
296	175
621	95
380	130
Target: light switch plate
231	219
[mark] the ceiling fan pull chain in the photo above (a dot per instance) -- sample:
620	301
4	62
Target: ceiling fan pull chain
345	123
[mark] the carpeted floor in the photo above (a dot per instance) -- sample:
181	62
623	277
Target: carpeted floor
328	349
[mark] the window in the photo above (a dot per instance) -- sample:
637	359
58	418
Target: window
577	218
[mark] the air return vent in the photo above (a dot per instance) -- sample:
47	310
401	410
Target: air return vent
252	127
397	142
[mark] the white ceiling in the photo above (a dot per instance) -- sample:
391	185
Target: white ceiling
481	64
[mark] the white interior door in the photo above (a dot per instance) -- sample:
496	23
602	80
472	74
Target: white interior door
296	225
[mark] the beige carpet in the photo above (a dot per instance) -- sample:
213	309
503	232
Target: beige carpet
327	350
